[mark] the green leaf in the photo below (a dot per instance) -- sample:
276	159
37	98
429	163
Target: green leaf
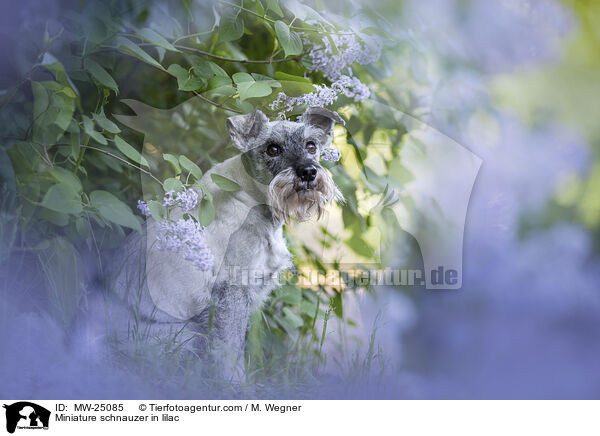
219	81
105	123
129	151
132	48
292	318
218	70
255	85
74	141
280	75
156	39
259	8
62	198
221	86
201	67
186	81
56	68
172	184
359	246
41	101
114	210
206	212
262	78
310	309
289	294
224	183
274	6
83	227
305	13
173	161
290	40
231	25
101	75
294	86
156	210
191	167
242	77
253	89
66	177
88	127
53	107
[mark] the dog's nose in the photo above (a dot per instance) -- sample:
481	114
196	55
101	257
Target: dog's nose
307	173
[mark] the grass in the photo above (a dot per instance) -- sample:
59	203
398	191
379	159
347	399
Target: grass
277	364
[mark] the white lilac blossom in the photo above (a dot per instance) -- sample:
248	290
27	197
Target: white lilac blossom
353	88
349	50
185	236
323	95
186	199
331	154
143	208
336	66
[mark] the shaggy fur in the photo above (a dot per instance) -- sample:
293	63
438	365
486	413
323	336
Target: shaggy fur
289	197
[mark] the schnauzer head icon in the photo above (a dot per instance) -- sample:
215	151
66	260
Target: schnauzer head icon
26	415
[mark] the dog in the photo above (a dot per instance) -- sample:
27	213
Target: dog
281	179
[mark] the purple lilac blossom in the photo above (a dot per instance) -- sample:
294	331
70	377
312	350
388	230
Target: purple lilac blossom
186	199
186	237
331	154
143	208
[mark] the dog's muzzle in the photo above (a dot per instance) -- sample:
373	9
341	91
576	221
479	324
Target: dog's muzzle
302	193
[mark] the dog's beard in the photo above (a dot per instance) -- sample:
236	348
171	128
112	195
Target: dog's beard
290	197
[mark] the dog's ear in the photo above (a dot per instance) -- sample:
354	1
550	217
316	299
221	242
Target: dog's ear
244	128
322	118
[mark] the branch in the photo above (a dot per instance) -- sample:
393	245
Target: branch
243	61
123	160
214	103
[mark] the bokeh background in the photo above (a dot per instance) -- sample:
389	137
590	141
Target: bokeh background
516	83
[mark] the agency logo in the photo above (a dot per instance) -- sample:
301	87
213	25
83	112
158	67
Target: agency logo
26	415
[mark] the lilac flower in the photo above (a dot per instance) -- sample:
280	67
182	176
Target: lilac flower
349	50
143	208
331	154
186	237
351	87
323	95
186	199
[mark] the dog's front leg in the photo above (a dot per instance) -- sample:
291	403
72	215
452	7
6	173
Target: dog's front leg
224	325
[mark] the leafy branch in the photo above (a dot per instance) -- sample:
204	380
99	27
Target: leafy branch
243	61
122	160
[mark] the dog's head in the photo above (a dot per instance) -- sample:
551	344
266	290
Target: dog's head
285	156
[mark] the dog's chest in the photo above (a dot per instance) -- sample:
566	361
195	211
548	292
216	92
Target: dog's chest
276	256
256	255
261	249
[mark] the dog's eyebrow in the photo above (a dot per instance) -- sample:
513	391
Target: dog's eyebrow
313	133
276	137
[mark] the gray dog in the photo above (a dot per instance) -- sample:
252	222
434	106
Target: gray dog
281	179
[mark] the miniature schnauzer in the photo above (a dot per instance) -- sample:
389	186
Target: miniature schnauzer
280	177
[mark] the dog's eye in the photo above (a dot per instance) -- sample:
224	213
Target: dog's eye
273	150
311	147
